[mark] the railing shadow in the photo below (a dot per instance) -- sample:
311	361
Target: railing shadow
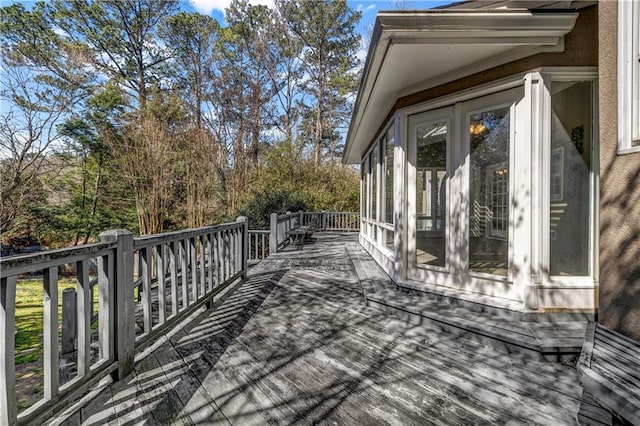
171	374
294	345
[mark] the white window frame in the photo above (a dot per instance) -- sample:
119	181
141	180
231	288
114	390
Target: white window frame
384	143
363	193
373	189
445	114
569	74
559	174
376	227
505	99
628	76
491	232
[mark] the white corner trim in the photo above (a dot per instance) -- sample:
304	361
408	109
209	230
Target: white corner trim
628	76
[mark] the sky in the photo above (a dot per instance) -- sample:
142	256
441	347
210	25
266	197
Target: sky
369	9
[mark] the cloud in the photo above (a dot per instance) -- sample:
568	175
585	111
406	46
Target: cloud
208	6
361	54
361	8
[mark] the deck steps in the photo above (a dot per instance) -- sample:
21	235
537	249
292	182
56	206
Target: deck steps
552	337
591	413
609	369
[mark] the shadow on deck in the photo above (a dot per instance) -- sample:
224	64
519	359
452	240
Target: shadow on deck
295	344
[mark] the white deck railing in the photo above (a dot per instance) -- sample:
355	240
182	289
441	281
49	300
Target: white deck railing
178	270
279	228
48	263
258	244
333	221
144	286
177	273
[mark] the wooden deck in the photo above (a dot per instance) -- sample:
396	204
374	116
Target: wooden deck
295	344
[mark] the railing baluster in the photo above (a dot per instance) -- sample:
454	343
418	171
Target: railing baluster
185	273
260	247
239	250
231	253
203	270
210	280
225	255
106	291
145	266
193	257
84	318
261	252
217	257
162	294
233	240
50	337
8	411
173	267
233	234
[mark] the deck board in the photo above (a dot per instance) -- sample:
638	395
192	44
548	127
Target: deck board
295	344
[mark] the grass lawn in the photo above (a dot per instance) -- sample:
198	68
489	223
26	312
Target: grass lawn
28	339
30	319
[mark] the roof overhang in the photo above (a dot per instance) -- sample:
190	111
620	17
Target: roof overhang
412	51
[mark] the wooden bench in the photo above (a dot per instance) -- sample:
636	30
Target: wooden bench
299	234
609	369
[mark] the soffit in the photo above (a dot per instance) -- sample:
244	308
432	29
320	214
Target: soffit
415	50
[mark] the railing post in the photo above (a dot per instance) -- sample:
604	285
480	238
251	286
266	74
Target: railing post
273	234
8	406
124	338
245	244
323	218
301	216
69	320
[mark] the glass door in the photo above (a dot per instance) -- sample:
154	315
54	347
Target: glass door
489	194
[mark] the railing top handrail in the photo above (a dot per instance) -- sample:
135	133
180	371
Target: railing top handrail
341	212
284	216
23	263
328	212
259	231
155	239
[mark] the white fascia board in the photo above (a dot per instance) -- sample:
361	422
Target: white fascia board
453	28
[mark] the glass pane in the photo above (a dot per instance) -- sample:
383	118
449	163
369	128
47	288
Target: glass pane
569	178
431	193
373	162
388	182
388	239
489	192
363	190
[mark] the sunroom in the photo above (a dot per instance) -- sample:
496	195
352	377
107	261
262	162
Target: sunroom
476	134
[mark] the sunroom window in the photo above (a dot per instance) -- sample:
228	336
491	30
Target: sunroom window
570	168
431	193
387	187
373	176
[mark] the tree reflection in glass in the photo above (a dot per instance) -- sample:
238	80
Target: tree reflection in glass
489	191
431	193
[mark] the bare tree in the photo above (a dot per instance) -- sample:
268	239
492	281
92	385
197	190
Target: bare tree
36	104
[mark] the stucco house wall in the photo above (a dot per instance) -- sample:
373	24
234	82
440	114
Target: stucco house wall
619	197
